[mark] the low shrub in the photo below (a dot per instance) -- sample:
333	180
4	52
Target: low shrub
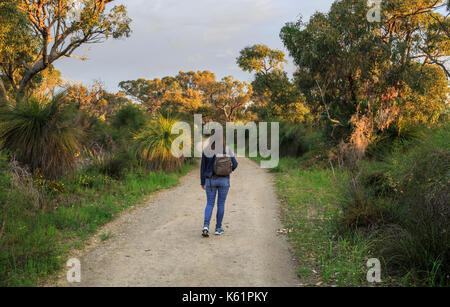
154	145
41	134
298	139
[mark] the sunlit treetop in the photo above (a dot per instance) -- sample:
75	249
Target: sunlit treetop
261	59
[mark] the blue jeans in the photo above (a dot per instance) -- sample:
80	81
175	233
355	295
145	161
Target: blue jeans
219	186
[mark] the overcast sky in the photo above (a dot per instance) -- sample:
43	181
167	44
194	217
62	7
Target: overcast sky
173	35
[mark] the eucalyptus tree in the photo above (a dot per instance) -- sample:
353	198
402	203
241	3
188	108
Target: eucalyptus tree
390	71
36	33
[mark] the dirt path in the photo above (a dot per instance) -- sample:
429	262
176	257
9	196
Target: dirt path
160	244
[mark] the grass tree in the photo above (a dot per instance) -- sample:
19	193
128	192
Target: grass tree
154	145
41	134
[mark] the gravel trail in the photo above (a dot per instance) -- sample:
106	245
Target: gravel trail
159	243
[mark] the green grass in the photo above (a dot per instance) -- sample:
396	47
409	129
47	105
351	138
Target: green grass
309	200
35	243
396	212
407	192
393	207
106	236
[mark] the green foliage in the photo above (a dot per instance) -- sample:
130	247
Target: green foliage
106	236
130	117
118	164
92	181
16	41
298	139
309	200
46	185
406	196
41	134
126	122
154	145
275	97
348	67
332	50
385	143
34	243
261	59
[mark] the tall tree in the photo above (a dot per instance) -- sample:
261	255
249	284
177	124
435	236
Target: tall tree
261	59
346	64
94	101
418	31
17	45
58	28
187	92
151	93
231	97
274	95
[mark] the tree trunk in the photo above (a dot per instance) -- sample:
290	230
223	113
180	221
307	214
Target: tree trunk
30	73
3	93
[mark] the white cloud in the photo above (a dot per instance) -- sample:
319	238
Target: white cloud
195	58
173	35
225	53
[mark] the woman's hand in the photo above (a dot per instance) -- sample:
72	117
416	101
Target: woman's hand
203	187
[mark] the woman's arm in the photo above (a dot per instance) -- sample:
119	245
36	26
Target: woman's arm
233	160
234	163
202	171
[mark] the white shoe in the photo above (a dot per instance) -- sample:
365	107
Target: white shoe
219	231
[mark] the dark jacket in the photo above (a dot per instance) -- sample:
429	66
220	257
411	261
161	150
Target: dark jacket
207	168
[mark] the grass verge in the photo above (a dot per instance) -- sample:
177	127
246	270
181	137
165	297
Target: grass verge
309	199
35	243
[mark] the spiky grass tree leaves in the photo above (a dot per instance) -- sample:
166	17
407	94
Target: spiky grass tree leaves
154	145
41	134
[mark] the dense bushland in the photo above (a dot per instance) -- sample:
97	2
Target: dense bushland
404	199
66	172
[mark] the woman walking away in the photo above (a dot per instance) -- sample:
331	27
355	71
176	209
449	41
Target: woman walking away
215	179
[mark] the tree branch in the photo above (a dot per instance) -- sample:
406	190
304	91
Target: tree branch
435	61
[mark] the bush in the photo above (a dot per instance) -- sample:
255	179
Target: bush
386	142
406	197
118	165
360	209
41	134
127	121
297	139
26	244
420	180
154	145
